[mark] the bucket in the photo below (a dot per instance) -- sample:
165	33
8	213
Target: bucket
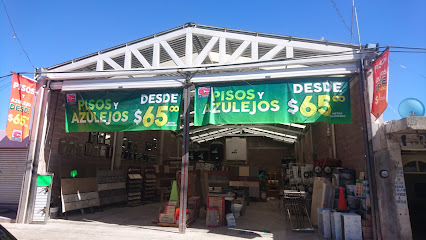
53	212
236	209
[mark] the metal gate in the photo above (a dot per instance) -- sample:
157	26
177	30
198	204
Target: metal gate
12	169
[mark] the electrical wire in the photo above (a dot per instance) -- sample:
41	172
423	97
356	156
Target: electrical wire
414	48
397	114
408	51
15	35
6	86
6	75
343	20
402	66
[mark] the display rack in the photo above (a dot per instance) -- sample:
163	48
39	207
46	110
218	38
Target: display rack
134	186
272	185
149	185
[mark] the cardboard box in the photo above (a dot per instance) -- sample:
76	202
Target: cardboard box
212	217
218	202
166	169
166	218
172	203
244	171
170	209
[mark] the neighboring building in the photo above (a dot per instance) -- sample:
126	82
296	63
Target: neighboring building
13	156
400	161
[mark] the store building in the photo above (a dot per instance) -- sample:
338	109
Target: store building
191	59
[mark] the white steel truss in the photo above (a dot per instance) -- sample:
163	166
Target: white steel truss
212	132
208	50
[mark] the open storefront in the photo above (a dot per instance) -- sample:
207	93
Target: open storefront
234	117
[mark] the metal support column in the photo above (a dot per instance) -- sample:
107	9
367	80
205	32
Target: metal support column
365	109
185	152
27	192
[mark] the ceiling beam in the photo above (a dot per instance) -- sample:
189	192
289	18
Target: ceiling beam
206	50
342	64
235	55
203	45
270	135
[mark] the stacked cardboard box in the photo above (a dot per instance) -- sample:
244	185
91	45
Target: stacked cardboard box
169	213
218	201
212	217
170	216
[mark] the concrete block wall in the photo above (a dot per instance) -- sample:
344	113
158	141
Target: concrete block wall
263	152
307	148
303	148
321	139
350	137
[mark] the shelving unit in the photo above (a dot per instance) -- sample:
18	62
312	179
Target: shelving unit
149	185
134	186
272	185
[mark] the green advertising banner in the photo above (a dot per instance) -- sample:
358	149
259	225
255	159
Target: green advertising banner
281	101
126	110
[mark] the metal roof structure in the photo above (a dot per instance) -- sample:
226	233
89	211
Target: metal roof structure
215	55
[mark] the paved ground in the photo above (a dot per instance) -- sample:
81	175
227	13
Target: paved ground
263	220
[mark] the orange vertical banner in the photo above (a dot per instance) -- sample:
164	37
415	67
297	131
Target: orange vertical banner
20	108
381	81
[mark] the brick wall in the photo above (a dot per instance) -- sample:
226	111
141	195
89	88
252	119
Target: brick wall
321	137
350	137
264	152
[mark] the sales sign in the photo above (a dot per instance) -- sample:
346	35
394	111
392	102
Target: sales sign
20	107
381	80
280	101
125	110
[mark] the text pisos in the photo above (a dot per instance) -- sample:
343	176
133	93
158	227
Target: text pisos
108	111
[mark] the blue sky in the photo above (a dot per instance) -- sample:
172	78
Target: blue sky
53	32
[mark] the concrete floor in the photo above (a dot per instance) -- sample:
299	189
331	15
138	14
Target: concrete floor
265	219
